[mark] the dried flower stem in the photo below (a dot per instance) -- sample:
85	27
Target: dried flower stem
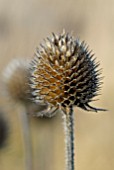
26	140
69	138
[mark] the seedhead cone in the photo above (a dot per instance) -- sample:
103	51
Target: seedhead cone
64	73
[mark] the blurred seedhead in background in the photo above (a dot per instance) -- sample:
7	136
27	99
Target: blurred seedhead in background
15	81
17	90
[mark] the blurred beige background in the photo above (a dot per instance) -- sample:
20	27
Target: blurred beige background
23	25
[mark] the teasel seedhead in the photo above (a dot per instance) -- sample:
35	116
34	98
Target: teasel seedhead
64	73
15	81
4	129
16	87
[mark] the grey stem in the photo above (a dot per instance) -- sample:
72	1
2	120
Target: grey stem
69	137
25	128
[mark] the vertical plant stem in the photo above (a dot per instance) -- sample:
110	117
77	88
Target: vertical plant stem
25	128
69	137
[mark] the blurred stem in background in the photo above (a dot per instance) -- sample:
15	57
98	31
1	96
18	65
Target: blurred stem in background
69	137
26	136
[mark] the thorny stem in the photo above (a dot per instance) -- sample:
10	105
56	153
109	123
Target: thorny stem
26	140
69	137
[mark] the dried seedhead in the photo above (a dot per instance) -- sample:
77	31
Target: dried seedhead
65	73
15	78
16	87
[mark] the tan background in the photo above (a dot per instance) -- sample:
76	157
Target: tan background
23	25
